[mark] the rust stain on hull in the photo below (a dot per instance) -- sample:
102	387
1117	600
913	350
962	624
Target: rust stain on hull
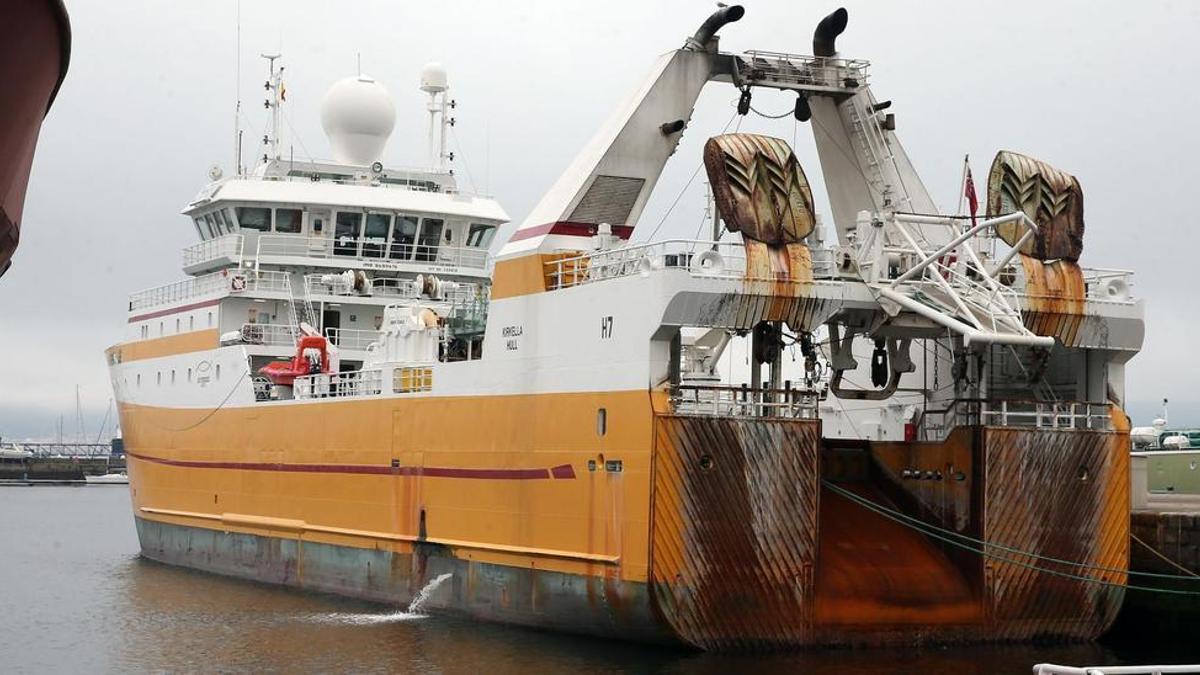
1064	495
749	552
874	572
734	530
1057	298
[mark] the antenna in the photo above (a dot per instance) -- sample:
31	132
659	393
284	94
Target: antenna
275	96
237	109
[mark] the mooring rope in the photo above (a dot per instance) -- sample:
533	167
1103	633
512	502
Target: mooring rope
1162	557
210	413
935	532
920	523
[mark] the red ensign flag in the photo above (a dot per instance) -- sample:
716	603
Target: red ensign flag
969	190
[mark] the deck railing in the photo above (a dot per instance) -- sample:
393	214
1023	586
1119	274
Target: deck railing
269	334
733	401
689	254
371	248
368	382
1080	415
227	246
339	385
351	338
221	283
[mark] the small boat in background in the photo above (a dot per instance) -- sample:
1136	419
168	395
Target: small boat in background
120	478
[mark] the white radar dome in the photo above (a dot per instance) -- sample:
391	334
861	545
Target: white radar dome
433	78
358	116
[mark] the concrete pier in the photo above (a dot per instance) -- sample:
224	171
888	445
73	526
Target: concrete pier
1164	539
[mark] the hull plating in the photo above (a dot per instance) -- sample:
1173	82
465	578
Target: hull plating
723	534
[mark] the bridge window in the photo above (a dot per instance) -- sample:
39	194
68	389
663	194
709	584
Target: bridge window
288	220
480	236
211	226
404	235
431	235
376	234
222	226
347	230
254	218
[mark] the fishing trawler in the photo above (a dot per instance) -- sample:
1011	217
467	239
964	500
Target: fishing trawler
349	395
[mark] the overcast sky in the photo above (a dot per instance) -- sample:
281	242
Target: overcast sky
1105	90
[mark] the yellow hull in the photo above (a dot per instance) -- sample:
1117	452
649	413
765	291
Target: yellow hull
713	533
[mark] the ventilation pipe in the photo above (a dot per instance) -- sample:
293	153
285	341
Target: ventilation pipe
714	23
827	32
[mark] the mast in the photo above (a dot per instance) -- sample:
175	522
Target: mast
79	417
275	97
434	83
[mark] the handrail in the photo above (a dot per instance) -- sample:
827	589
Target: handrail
269	334
352	338
1078	415
719	400
689	254
339	385
1055	669
226	246
218	284
414	186
370	248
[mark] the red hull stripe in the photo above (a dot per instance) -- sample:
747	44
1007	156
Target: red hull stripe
562	471
568	228
174	310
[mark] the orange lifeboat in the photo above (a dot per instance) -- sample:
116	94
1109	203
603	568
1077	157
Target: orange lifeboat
312	357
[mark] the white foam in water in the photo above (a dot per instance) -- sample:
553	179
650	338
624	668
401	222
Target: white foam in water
412	613
418	602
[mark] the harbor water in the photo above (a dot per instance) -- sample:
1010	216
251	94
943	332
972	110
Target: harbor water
78	598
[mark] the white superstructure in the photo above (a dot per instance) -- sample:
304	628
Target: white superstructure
320	246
